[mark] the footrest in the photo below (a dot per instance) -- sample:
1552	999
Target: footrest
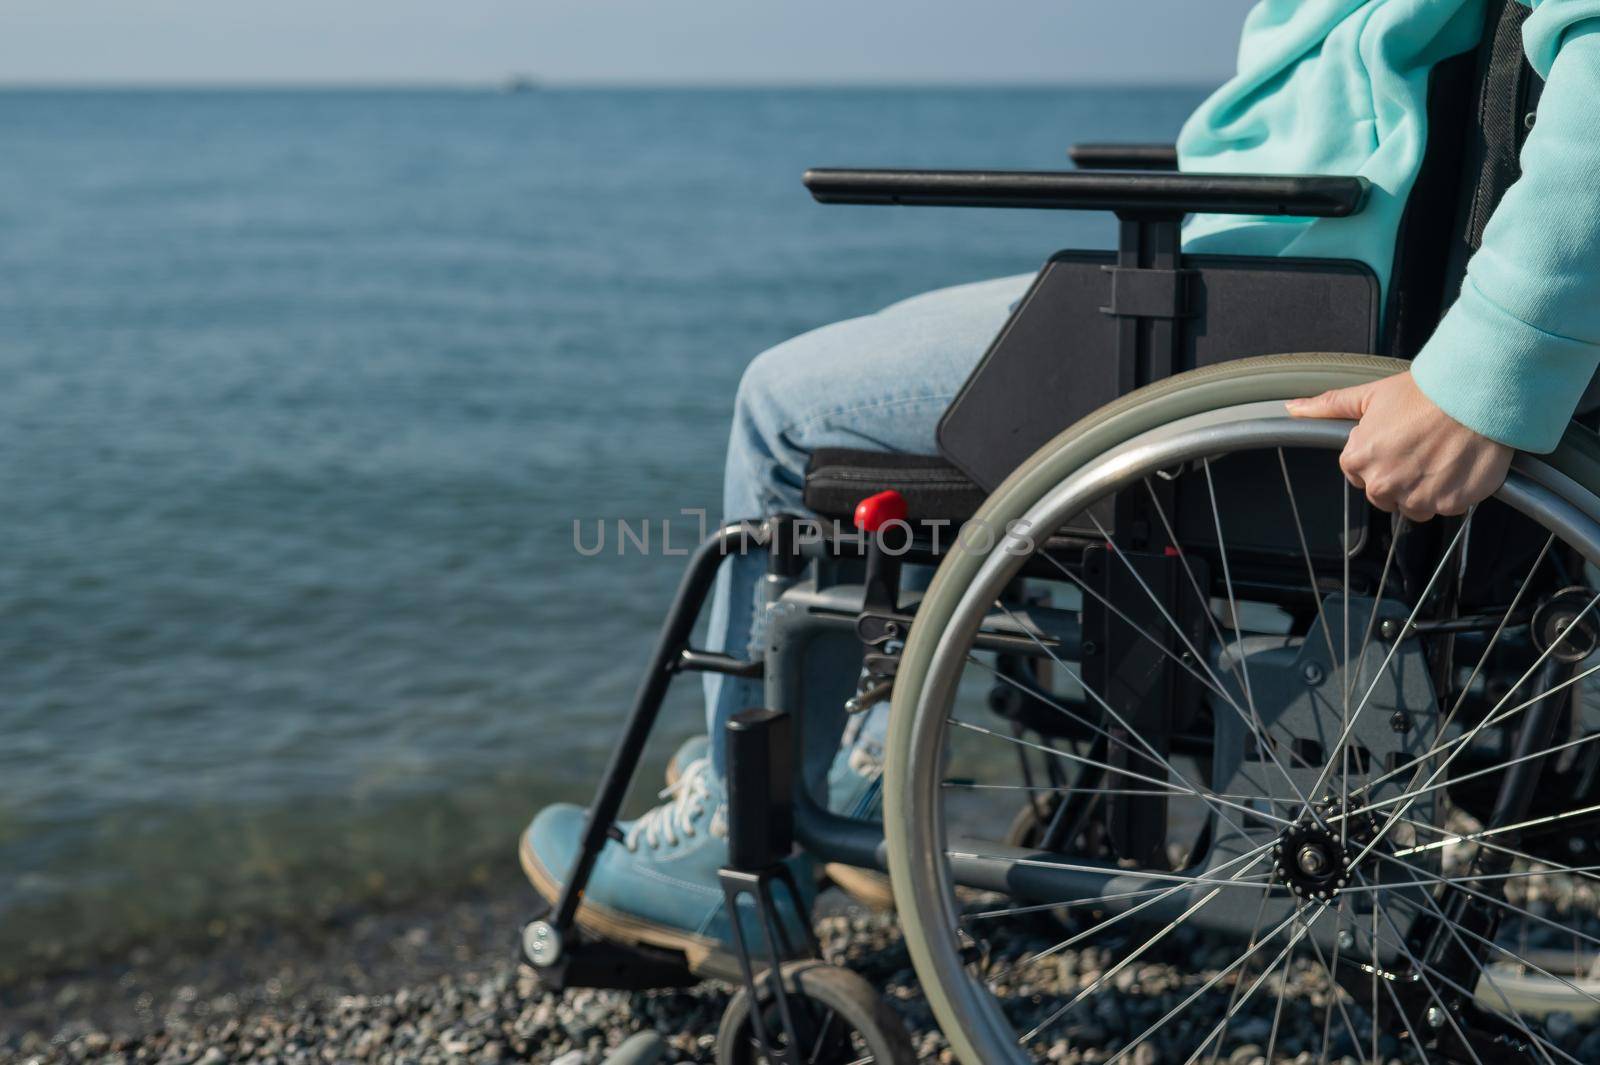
582	960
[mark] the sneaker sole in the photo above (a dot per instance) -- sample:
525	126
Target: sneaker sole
867	886
704	956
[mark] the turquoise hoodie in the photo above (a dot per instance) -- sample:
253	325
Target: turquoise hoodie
1340	87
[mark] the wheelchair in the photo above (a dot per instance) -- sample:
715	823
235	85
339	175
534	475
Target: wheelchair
1175	691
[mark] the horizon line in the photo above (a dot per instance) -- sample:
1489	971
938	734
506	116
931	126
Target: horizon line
535	84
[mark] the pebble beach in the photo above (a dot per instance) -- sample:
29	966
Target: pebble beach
441	984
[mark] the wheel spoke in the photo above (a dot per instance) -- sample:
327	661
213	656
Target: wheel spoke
1416	964
1494	986
1045	907
1483	659
1300	930
1149	755
1422	598
1454	929
1209	798
1202	596
1109	710
1210	680
1262	739
1253	858
1305	553
1227	584
1333	988
1472	878
1277	1012
1511	852
1344	674
1214	684
1491	719
1510	1017
1503	903
1412	795
1070	867
1437	773
1471	837
1111	973
1238	983
822	1035
1377	974
1360	659
1065	789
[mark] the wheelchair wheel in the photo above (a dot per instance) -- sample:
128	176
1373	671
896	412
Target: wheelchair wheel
1343	763
840	1020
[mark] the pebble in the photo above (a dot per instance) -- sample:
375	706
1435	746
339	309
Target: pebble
492	1010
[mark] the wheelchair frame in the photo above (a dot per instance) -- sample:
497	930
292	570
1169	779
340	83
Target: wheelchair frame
1148	286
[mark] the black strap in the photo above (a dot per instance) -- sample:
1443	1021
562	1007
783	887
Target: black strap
1502	111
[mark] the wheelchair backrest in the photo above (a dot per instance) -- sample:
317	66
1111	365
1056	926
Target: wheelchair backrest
1480	108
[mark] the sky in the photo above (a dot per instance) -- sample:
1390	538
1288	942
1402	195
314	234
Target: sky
618	41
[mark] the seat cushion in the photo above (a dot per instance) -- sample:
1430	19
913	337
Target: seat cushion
839	478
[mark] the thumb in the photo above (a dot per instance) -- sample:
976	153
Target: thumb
1348	403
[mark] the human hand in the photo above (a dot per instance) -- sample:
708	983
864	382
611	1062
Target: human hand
1406	453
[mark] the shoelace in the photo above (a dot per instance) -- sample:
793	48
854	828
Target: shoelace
688	798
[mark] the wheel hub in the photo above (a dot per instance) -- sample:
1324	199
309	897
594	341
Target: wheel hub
1317	855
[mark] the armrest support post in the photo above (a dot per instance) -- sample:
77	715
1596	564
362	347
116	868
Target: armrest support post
1147	295
1096	156
1149	290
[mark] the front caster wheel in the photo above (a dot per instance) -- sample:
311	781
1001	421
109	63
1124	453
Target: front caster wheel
838	1016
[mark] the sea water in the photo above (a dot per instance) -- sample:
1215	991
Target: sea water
301	394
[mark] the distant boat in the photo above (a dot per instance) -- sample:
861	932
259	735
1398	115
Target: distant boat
520	83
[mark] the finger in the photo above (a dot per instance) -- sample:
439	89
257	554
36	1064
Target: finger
1338	403
1471	490
1384	494
1417	503
1351	461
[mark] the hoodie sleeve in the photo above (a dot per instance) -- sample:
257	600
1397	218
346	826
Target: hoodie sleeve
1515	352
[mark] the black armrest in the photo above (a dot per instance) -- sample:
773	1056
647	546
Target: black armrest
1128	194
1124	156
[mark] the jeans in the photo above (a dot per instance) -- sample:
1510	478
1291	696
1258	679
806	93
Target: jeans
878	382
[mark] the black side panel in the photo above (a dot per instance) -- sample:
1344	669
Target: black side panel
1056	359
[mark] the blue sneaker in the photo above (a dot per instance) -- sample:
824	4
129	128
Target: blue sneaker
855	779
659	886
689	752
855	790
